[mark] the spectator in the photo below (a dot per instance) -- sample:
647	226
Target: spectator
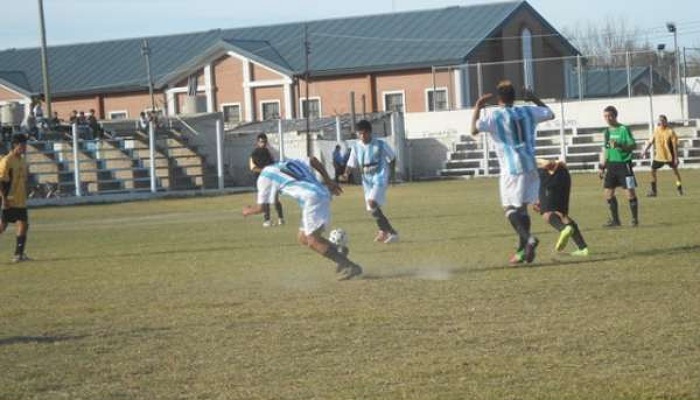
94	125
339	162
143	122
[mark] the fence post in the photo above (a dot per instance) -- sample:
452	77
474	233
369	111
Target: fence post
220	153
337	130
580	82
76	162
281	136
152	153
629	74
562	133
485	160
480	79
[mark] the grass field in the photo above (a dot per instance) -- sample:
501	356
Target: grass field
184	299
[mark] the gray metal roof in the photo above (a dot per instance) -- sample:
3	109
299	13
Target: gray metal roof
338	46
604	82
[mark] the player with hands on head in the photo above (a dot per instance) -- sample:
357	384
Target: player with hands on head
512	130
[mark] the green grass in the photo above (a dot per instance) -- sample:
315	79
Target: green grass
185	299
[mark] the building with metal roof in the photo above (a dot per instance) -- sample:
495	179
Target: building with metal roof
374	63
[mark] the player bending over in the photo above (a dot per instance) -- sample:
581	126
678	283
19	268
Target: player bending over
296	179
555	186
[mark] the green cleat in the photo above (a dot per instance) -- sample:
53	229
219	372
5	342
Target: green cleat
580	252
564	237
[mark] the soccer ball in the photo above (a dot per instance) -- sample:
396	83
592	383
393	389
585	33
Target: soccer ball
338	237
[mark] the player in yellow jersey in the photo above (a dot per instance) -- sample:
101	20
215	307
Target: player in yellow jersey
665	144
13	194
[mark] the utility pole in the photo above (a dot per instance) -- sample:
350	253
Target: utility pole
45	62
671	26
146	52
307	51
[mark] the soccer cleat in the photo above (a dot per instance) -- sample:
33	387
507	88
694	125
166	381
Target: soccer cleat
267	224
349	271
517	258
20	258
530	248
651	193
564	237
392	238
635	223
611	223
381	236
679	188
580	252
280	221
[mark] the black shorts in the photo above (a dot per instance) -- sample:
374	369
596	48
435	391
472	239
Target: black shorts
554	191
12	215
658	164
619	175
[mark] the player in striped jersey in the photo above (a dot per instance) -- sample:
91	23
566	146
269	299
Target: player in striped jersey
376	160
296	179
512	131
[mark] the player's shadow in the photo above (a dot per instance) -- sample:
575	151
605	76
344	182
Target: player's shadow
38	339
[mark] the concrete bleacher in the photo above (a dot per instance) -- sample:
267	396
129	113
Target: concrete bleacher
116	165
581	146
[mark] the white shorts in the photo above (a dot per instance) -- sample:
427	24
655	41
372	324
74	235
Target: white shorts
519	190
374	192
315	214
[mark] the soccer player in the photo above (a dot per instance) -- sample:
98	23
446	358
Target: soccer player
376	161
260	158
553	204
616	170
665	144
512	131
296	178
13	194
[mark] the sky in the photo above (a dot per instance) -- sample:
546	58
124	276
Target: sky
79	21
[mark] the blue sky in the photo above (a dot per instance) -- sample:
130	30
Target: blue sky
76	21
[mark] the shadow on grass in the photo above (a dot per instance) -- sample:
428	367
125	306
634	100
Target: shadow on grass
38	339
177	250
446	273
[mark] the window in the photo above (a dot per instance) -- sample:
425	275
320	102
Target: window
270	110
118	115
394	101
437	99
314	108
528	73
232	113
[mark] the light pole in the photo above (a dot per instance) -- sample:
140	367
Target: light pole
45	62
671	26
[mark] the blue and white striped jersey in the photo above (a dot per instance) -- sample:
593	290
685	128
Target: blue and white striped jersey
293	178
512	130
372	158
